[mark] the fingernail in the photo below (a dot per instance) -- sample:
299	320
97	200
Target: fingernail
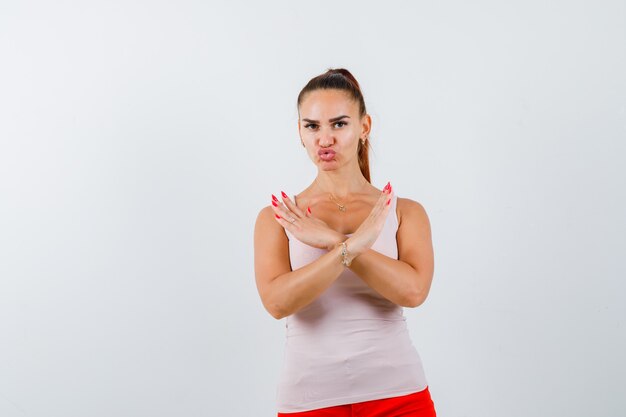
274	197
274	203
277	216
284	195
308	209
388	201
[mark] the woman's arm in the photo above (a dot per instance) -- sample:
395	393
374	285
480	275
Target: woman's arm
407	280
283	291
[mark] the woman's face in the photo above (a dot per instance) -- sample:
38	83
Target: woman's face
329	122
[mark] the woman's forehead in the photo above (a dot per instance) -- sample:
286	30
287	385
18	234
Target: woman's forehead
326	104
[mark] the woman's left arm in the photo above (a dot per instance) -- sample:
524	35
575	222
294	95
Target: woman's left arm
404	281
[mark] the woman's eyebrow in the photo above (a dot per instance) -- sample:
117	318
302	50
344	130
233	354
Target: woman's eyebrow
334	119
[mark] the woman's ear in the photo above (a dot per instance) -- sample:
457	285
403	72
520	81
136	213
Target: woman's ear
367	125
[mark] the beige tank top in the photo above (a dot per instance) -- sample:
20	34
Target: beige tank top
350	344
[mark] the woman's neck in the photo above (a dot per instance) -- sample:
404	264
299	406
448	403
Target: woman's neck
340	187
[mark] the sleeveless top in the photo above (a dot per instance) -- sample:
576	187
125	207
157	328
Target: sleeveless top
350	344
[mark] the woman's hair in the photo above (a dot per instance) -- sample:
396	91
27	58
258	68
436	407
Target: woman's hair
342	79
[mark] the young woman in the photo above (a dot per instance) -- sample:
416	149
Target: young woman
339	261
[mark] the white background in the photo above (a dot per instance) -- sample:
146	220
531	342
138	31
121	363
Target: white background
139	140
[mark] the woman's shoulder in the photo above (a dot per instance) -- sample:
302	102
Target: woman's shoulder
410	209
265	213
266	223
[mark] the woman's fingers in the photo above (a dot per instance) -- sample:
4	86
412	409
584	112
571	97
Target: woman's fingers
382	205
292	206
379	208
286	220
383	200
280	210
286	223
283	214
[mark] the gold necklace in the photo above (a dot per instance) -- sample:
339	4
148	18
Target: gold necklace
342	207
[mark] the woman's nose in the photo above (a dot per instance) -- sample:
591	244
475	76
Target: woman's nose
326	138
326	141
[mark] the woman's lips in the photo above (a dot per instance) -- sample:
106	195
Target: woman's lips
326	154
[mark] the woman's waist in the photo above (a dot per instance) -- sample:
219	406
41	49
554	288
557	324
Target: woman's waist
331	326
367	341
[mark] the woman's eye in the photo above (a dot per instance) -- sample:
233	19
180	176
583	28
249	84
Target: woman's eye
313	125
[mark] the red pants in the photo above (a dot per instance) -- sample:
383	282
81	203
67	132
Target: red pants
417	404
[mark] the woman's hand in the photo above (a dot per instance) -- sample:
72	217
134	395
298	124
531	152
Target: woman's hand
367	233
306	228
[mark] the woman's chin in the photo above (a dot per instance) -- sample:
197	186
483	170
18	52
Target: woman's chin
327	165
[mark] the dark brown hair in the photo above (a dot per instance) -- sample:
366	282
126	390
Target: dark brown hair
342	79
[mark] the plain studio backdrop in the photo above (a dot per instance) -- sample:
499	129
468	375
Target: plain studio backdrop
139	141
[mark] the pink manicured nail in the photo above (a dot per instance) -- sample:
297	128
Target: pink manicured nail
274	197
284	195
388	201
274	203
308	209
277	216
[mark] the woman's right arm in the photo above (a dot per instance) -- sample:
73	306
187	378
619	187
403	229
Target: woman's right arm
283	291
